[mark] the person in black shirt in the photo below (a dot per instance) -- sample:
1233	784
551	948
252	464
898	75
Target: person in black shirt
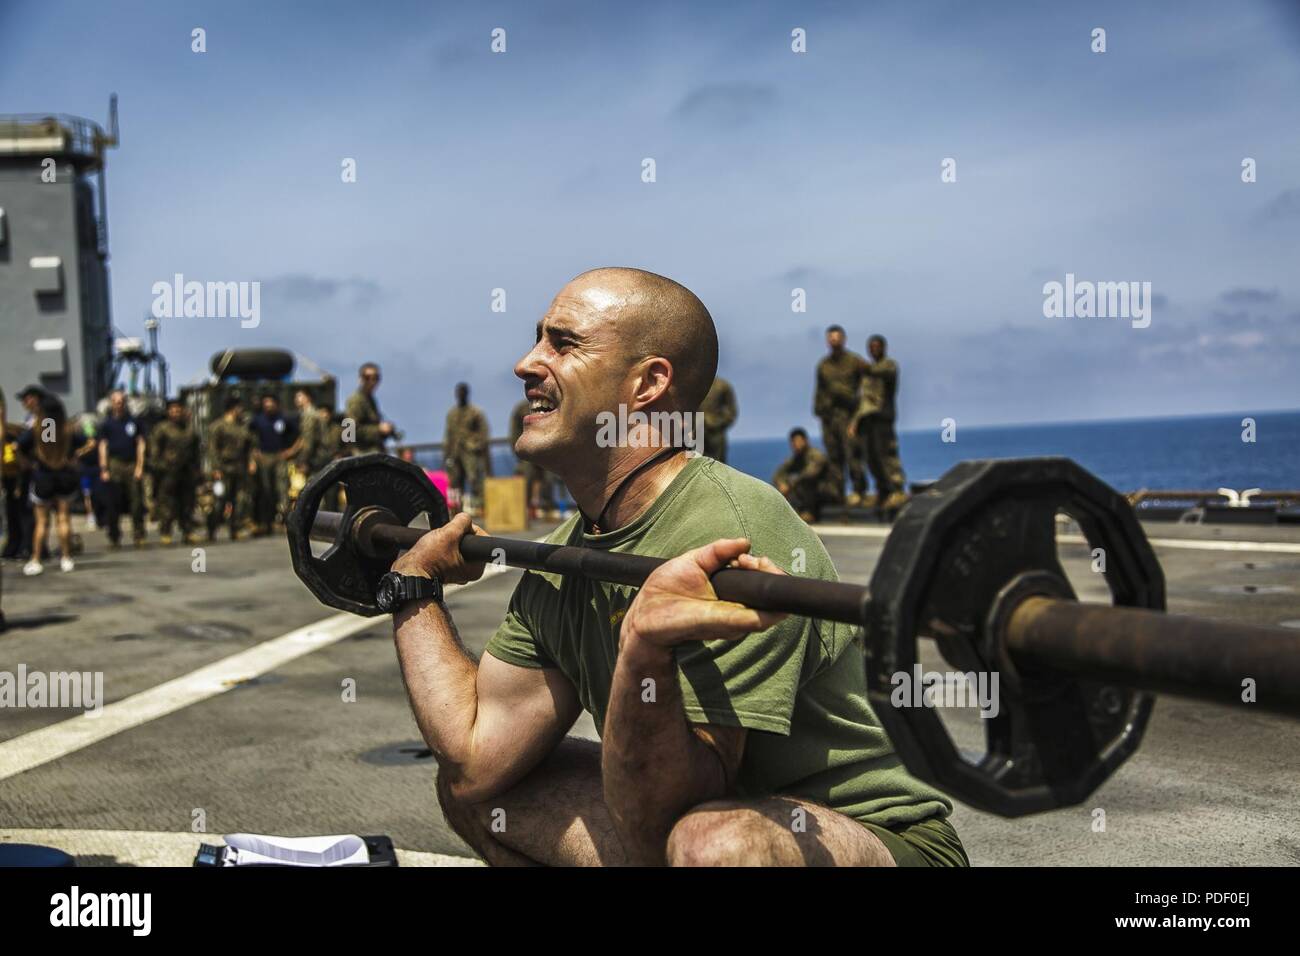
121	469
274	438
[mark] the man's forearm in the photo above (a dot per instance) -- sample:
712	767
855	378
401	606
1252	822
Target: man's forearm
441	681
654	768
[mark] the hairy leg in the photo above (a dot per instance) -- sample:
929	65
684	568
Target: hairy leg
555	816
773	831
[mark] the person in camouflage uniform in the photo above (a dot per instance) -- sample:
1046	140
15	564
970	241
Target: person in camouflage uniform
539	482
311	433
319	439
367	429
873	425
206	501
331	445
230	448
464	448
328	448
307	425
174	456
839	379
719	410
806	478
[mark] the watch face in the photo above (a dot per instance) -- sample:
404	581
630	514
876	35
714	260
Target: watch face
384	596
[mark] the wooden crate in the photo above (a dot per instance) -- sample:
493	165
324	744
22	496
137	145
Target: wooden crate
505	507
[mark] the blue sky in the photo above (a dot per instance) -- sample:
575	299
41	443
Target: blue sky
775	170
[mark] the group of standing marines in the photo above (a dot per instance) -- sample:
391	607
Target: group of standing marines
250	459
855	401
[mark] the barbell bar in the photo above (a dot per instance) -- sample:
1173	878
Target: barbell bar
377	535
971	563
1149	650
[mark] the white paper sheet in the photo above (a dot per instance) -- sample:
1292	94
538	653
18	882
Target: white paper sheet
249	848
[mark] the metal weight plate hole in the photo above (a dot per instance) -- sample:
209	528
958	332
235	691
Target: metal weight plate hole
960	711
318	548
958	696
1084	562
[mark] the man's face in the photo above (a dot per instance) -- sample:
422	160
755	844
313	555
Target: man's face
301	400
876	348
798	444
576	370
32	403
835	340
175	413
270	406
118	403
369	379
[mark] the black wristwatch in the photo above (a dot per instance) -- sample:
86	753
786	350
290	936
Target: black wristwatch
396	589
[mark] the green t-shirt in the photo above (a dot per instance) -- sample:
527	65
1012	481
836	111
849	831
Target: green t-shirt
800	684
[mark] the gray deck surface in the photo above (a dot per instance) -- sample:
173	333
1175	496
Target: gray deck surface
283	753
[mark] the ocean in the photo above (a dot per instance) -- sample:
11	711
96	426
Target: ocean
1191	453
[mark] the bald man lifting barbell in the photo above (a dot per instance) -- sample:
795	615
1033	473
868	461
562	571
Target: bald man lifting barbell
728	735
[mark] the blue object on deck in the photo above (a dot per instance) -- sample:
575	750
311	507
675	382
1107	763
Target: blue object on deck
29	854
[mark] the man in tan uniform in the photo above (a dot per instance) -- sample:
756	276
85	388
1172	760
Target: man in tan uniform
311	432
464	449
839	379
364	429
719	411
174	454
873	425
230	456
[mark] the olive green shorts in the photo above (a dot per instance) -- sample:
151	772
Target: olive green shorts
929	842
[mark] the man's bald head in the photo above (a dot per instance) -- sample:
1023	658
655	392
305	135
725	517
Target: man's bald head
655	316
613	342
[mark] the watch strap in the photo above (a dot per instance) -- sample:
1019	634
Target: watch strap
412	588
404	589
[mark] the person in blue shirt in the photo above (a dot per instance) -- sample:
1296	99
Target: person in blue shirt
121	469
275	441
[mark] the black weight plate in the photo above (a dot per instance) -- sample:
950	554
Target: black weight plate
342	577
951	552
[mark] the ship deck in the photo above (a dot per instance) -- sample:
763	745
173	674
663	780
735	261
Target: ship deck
225	713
